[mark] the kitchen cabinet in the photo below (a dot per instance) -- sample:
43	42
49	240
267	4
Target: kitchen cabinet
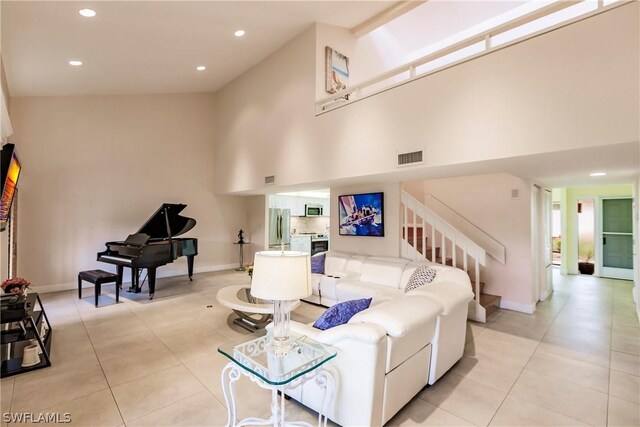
326	210
297	204
301	243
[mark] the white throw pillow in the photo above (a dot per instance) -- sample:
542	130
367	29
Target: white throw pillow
420	277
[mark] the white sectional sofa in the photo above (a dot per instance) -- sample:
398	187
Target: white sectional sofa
389	352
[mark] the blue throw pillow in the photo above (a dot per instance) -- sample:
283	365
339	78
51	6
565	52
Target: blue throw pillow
340	314
317	263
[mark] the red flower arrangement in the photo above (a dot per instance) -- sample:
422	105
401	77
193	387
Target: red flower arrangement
16	285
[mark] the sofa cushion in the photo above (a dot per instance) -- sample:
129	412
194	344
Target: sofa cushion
317	263
335	262
451	275
340	314
394	259
354	265
347	289
422	275
383	271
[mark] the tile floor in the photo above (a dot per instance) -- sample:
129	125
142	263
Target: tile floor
152	363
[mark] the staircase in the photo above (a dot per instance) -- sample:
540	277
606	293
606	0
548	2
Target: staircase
427	236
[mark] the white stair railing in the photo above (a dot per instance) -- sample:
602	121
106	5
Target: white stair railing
494	249
416	215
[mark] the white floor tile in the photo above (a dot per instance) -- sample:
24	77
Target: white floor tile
517	412
467	399
573	401
165	371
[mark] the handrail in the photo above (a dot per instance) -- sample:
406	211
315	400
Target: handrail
344	97
458	241
473	249
488	243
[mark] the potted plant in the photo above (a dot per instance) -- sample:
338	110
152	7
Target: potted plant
13	304
586	266
16	286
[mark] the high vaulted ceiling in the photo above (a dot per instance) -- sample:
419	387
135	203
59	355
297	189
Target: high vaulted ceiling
153	46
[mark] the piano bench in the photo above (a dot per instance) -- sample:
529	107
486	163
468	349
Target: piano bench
98	277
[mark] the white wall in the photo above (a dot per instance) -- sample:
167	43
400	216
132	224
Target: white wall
570	88
389	245
264	118
95	168
486	202
257	232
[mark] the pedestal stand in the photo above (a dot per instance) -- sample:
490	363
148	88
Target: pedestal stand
241	245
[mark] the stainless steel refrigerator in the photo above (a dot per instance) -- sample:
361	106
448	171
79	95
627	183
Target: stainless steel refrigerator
279	228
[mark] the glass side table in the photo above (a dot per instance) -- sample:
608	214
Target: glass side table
253	359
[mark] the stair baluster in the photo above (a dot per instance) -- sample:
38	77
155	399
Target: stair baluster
415	247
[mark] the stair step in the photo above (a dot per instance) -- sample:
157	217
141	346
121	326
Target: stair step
490	302
437	250
447	261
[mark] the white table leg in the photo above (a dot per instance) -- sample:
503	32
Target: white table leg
325	380
233	373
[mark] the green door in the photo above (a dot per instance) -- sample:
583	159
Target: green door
617	238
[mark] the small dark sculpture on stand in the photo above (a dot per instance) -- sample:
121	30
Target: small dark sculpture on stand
241	243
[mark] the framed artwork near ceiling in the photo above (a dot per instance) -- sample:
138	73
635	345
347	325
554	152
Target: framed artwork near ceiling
337	70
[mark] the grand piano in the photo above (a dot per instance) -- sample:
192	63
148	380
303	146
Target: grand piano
154	245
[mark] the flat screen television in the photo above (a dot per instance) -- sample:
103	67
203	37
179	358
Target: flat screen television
361	214
10	173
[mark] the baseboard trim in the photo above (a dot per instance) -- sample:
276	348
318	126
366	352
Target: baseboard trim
44	289
518	306
545	295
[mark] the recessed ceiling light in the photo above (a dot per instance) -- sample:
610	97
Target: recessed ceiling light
598	174
239	33
87	13
201	68
75	63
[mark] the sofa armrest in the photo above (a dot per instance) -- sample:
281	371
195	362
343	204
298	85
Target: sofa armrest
367	333
449	294
399	316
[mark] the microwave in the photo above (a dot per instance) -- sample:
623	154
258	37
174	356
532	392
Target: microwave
312	210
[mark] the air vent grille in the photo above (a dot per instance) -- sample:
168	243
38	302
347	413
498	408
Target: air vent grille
410	158
269	179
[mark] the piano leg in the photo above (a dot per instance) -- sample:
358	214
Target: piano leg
135	280
190	265
120	273
151	271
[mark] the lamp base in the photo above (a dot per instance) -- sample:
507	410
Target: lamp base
281	347
280	342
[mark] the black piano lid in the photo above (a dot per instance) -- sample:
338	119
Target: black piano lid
156	226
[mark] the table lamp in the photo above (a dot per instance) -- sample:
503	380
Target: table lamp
281	276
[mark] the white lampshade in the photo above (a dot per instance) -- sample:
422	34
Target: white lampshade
281	275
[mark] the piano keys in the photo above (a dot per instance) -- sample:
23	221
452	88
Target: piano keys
154	245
